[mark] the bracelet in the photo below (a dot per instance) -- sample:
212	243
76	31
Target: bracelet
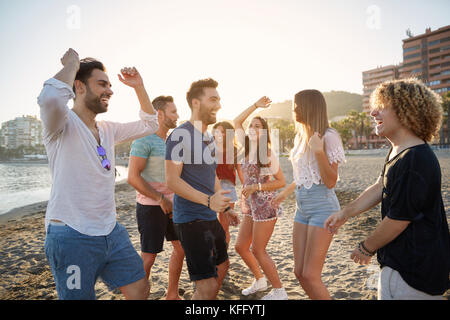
227	209
367	254
363	253
364	247
209	200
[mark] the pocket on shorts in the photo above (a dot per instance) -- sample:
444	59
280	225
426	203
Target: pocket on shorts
394	283
53	251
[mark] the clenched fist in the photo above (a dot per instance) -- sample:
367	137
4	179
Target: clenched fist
71	58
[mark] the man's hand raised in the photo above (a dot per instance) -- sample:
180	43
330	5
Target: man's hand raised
71	65
71	58
131	77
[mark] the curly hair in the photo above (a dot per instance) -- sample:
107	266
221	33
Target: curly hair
417	107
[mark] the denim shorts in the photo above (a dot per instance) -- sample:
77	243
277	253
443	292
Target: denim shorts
315	205
77	260
228	185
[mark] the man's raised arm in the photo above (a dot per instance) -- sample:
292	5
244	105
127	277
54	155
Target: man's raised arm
56	93
149	121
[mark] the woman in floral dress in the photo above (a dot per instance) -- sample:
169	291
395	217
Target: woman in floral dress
262	177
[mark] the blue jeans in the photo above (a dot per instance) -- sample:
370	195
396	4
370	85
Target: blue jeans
315	205
77	260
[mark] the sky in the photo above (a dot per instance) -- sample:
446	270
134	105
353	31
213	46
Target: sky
252	48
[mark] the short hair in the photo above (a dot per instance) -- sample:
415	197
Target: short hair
85	70
417	107
196	89
159	103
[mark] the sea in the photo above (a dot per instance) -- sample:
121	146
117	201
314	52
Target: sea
22	184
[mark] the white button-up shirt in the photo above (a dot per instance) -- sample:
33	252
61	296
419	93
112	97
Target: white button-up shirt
82	194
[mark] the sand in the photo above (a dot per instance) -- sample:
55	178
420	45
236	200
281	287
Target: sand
25	273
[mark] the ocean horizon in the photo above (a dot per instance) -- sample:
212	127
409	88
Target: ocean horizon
23	184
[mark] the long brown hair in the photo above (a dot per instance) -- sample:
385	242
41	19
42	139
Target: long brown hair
310	110
265	138
227	144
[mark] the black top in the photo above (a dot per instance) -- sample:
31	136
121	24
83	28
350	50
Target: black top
412	192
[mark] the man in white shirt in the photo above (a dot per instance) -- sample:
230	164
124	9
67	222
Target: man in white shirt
83	239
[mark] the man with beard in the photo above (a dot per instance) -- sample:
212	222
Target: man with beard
191	175
83	239
154	199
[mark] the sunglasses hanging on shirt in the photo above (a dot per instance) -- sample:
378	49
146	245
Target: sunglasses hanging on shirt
105	162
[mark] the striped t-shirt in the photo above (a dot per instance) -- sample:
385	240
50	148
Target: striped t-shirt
152	148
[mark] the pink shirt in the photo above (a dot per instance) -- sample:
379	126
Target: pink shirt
159	187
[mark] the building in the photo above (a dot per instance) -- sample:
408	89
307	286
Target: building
22	131
427	57
372	78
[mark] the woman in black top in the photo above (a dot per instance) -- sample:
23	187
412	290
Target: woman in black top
412	241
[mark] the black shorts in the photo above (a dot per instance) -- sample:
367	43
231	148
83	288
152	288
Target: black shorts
153	225
205	247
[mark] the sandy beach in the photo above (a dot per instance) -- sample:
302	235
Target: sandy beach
25	273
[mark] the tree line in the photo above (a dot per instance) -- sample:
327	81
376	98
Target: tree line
356	130
21	151
355	127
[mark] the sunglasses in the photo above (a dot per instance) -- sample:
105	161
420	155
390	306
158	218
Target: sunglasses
105	162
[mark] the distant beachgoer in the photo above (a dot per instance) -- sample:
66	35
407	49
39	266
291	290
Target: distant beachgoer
316	156
83	239
227	166
412	241
262	177
154	199
191	175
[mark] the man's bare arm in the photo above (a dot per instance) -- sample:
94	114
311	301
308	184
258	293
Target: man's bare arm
71	64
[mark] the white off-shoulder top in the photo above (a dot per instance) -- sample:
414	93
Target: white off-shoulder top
304	163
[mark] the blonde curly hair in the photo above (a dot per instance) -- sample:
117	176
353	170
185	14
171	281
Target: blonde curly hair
417	107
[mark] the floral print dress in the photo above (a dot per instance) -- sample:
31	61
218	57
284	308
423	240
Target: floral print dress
258	205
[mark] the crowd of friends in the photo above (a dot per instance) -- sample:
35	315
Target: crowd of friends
185	177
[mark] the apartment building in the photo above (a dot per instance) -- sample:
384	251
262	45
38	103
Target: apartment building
22	131
372	78
427	57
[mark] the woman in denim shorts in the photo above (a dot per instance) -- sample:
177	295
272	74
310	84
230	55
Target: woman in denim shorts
316	155
227	167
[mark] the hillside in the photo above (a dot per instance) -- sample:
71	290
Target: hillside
339	103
